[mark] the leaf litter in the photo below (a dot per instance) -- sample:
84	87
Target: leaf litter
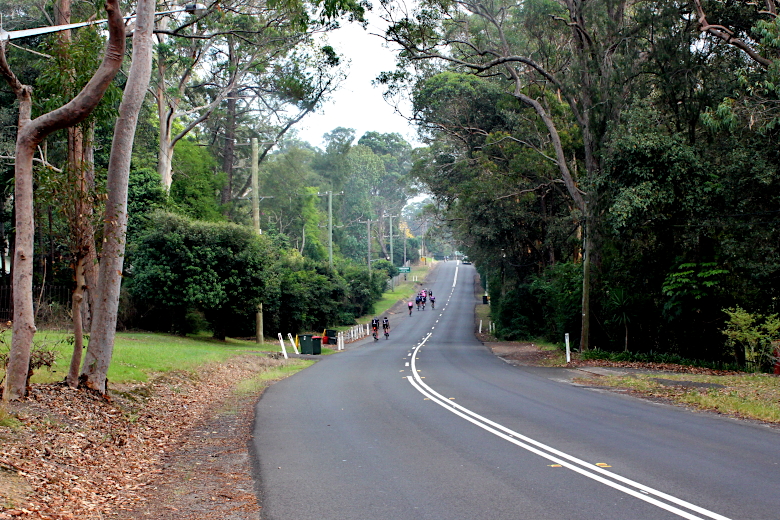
171	448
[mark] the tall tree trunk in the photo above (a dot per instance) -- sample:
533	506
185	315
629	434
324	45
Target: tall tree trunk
165	151
30	134
101	344
229	150
72	378
587	251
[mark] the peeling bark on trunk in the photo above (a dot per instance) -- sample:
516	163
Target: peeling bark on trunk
101	344
165	153
30	134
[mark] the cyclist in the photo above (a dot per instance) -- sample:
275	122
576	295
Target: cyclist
411	305
375	327
386	327
418	301
433	302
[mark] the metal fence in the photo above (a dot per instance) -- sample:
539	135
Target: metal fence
51	303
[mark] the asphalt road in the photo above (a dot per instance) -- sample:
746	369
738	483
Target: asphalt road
431	425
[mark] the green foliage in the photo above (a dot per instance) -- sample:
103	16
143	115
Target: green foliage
220	269
754	338
71	67
145	195
691	280
546	307
385	268
196	182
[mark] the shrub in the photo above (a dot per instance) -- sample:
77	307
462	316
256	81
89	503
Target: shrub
752	337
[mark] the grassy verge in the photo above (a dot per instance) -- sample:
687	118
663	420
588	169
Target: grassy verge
252	386
752	396
139	355
482	312
403	291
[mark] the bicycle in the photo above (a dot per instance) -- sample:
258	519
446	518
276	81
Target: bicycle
376	338
387	333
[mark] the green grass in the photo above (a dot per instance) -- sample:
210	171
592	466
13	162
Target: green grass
138	355
254	384
8	420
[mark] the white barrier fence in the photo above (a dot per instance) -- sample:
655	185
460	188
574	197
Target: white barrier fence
355	333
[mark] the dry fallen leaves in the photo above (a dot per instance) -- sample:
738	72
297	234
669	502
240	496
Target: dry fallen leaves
86	457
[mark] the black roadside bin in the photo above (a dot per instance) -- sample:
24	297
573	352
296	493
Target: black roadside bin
316	345
306	343
485	299
332	335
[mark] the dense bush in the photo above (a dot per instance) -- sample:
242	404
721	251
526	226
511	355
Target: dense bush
221	270
547	307
187	275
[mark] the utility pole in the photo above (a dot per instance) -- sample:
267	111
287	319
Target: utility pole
330	225
391	217
256	220
368	234
368	223
255	188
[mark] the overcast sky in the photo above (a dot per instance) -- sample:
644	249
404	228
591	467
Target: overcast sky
358	104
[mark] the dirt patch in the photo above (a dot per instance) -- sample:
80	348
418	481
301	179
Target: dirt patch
175	448
522	353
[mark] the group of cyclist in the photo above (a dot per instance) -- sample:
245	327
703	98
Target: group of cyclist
421	298
385	327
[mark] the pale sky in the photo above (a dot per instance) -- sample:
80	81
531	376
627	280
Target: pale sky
358	104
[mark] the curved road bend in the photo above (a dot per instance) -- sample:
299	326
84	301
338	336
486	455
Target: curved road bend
431	425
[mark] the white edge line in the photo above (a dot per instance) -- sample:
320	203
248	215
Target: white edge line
515	438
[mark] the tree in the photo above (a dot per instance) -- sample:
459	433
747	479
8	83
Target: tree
30	133
569	64
101	344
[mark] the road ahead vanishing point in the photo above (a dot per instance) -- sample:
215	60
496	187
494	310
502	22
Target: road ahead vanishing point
431	425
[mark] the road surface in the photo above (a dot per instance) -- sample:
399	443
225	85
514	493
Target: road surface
431	425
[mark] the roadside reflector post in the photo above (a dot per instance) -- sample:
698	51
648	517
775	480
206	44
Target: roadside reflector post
568	349
480	326
292	342
281	342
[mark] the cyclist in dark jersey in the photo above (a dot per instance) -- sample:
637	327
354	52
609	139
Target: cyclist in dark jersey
375	327
386	327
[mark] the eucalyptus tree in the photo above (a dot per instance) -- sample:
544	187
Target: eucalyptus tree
230	55
569	64
392	188
94	369
30	134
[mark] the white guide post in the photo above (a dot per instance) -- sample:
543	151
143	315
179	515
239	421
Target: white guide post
480	326
292	342
568	350
281	342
